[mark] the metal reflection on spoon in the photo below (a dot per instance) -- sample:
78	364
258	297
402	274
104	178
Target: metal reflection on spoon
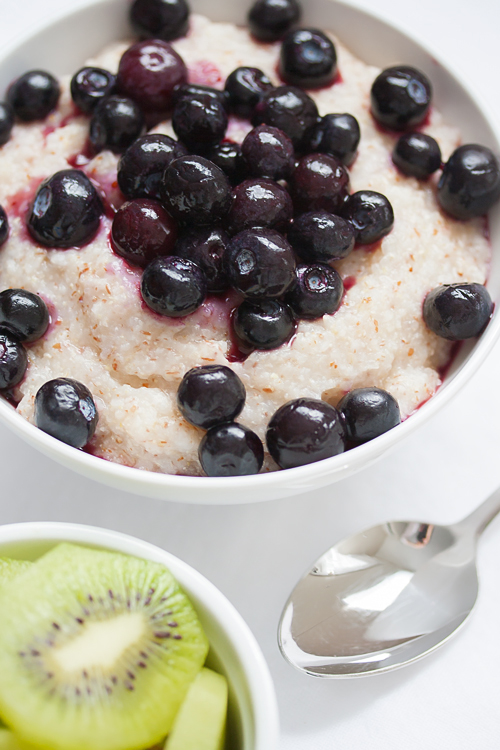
385	597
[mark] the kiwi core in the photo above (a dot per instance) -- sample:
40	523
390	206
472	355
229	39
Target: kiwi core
101	644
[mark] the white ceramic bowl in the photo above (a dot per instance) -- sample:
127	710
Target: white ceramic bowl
65	42
253	712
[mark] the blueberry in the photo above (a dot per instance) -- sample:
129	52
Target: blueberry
269	20
13	360
34	95
4	226
245	88
368	413
65	409
66	211
319	183
318	291
160	19
263	324
228	157
370	214
24	314
289	109
231	450
173	286
115	124
417	155
210	395
149	72
303	431
194	190
141	167
321	236
457	311
470	183
337	135
401	97
206	246
259	203
260	263
6	122
195	90
89	86
308	59
199	122
268	152
142	230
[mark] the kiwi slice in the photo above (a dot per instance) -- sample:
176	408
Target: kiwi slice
201	721
10	741
9	569
97	651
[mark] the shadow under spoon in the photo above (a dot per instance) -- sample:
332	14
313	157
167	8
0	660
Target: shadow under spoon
384	597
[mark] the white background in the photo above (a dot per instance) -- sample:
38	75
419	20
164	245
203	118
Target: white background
254	554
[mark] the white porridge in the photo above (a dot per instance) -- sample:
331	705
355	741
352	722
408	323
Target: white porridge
132	360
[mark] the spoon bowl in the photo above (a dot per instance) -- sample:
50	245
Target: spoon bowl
384	597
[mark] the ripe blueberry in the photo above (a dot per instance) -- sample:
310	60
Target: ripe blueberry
173	286
13	360
260	263
263	324
371	215
457	311
210	395
195	190
303	431
89	86
269	20
308	59
368	413
401	97
160	19
417	155
259	203
34	95
66	211
470	182
115	124
65	409
321	236
231	450
142	230
24	314
141	167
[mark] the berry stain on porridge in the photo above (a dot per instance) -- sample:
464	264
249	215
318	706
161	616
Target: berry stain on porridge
261	250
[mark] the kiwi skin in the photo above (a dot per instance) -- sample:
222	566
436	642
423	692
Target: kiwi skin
129	704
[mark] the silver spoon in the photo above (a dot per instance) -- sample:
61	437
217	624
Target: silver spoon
385	597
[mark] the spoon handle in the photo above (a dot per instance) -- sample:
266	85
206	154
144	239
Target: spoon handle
478	520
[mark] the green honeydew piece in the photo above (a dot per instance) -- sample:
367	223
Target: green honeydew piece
97	651
9	569
201	721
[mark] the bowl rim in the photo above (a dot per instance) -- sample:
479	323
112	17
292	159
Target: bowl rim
140	481
262	694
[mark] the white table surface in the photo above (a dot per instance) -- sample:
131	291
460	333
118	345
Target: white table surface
254	554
